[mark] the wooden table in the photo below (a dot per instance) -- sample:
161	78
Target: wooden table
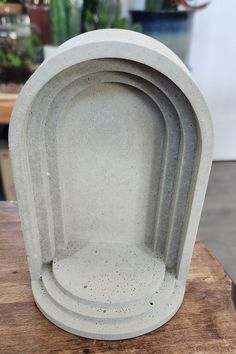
7	101
206	322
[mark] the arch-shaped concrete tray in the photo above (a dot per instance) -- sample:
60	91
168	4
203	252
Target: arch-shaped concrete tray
111	145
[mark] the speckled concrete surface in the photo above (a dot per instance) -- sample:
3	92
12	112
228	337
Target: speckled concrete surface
111	144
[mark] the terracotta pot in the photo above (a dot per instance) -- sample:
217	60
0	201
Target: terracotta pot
40	20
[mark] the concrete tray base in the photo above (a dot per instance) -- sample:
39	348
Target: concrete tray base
75	296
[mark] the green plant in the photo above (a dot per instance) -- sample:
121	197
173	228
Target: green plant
65	20
99	14
58	21
74	18
158	5
25	52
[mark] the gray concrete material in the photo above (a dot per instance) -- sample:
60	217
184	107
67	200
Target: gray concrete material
111	144
217	227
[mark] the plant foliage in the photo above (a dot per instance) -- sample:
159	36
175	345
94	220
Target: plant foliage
99	14
24	52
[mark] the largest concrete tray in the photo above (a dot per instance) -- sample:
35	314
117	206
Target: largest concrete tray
111	144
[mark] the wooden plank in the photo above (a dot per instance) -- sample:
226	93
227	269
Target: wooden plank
7	101
206	322
10	9
6	173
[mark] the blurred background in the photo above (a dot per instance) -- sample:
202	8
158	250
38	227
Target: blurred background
202	34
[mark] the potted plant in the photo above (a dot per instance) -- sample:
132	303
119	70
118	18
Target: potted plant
169	21
99	14
18	58
65	19
39	14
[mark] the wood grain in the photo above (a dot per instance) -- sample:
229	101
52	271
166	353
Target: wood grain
206	322
7	101
6	173
10	9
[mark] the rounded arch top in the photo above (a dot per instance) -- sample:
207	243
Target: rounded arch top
120	44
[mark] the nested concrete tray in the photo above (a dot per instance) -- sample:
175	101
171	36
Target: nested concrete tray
111	145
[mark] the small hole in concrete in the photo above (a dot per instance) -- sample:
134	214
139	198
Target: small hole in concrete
151	303
85	286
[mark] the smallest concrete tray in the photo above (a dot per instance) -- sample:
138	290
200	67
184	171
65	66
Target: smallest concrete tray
111	145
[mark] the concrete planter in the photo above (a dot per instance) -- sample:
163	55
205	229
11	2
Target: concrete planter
111	145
